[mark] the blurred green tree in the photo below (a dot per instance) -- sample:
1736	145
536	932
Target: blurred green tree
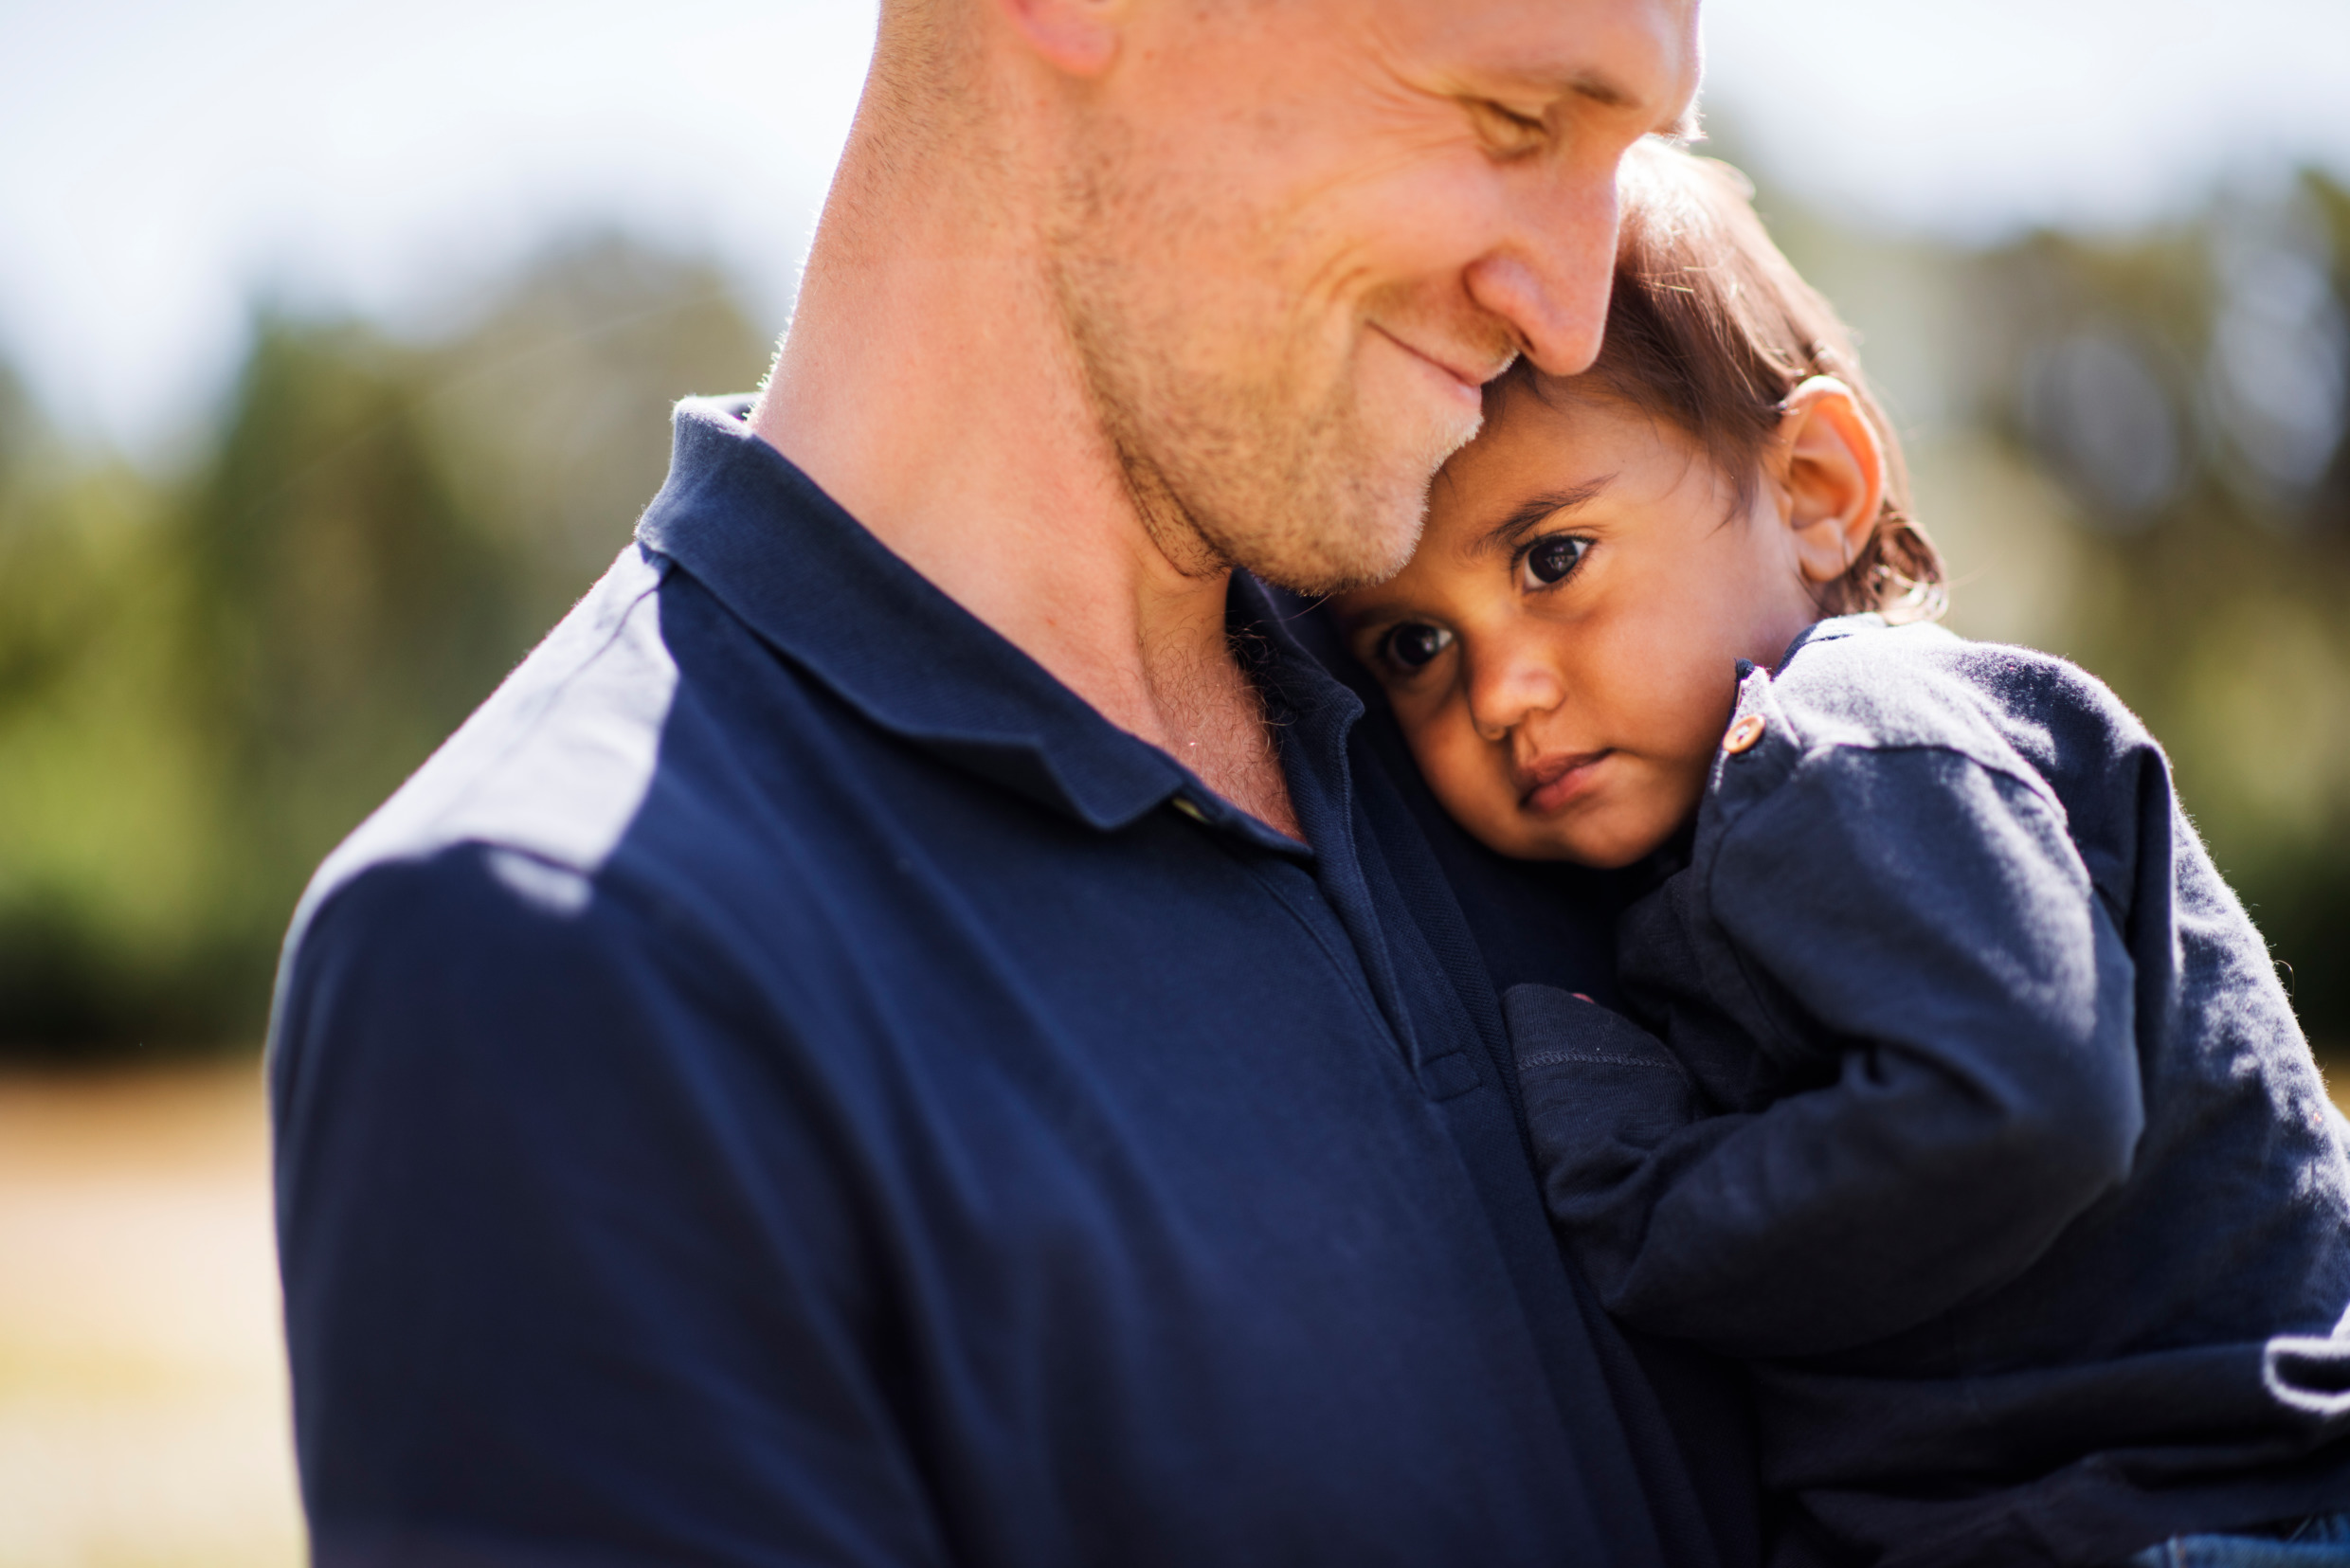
98	845
551	403
205	684
339	614
2131	448
2188	392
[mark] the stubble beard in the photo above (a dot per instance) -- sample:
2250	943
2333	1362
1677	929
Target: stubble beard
1238	471
1242	441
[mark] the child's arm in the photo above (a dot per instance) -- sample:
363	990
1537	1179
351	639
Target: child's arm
1933	925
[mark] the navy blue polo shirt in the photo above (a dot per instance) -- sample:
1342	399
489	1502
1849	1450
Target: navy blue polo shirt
790	1083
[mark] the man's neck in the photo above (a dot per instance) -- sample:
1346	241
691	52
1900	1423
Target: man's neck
928	386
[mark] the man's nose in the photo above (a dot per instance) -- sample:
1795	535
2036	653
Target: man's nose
1506	688
1548	276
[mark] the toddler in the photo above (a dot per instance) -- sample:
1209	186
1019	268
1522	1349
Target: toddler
1963	1101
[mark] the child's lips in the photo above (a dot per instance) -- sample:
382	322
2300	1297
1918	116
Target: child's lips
1549	782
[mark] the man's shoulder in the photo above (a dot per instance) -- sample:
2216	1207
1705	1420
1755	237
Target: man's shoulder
551	769
582	825
605	784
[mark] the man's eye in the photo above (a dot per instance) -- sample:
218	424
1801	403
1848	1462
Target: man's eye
1504	129
1409	648
1549	560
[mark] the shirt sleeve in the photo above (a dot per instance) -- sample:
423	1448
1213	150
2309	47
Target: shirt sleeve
1929	919
551	1299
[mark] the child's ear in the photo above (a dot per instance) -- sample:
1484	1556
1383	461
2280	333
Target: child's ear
1831	475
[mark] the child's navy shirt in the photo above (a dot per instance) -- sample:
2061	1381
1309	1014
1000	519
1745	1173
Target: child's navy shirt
1986	1129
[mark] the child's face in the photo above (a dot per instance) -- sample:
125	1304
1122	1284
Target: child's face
1561	650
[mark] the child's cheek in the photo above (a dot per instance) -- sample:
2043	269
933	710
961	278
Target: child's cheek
1467	774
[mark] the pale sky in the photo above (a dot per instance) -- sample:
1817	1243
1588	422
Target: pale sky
160	164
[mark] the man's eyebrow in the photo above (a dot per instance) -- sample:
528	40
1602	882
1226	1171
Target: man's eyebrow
1536	510
1595	88
1600	90
1603	90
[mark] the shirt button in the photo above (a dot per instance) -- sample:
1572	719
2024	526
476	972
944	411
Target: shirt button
1744	734
1190	808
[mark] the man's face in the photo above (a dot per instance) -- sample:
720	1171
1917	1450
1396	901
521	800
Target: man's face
1298	237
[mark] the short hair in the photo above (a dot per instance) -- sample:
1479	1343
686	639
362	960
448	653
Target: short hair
1710	328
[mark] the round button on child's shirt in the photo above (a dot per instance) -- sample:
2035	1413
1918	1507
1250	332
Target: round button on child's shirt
1744	734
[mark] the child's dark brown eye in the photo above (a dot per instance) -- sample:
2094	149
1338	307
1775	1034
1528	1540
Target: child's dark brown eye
1410	646
1551	559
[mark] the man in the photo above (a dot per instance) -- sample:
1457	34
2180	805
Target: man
915	1029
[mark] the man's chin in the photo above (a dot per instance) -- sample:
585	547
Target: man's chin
1363	534
1345	515
1356	538
1320	568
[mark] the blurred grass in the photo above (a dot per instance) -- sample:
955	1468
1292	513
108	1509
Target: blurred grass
143	1389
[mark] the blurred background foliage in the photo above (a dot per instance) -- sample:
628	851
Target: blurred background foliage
2130	446
208	676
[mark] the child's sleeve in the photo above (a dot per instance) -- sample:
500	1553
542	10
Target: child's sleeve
1930	918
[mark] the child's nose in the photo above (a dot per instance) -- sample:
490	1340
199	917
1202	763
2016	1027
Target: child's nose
1506	690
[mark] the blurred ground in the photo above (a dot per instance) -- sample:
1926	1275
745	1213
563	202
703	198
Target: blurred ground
142	1387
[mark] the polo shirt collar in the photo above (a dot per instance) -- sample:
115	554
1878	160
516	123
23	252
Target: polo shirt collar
810	580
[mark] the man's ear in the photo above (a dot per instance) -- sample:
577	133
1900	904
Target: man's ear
1832	476
1079	37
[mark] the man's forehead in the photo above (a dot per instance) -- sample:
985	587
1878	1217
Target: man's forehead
1632	55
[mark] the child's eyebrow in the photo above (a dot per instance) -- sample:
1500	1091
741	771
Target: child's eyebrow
1535	509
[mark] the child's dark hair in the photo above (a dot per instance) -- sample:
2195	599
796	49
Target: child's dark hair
1711	328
